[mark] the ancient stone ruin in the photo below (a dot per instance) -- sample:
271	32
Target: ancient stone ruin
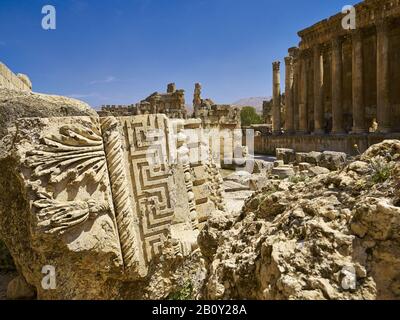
148	201
339	85
113	195
11	81
171	104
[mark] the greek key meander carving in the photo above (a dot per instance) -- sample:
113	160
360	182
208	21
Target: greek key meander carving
129	164
151	184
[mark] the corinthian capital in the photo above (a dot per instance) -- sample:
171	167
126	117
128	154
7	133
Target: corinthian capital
289	61
276	65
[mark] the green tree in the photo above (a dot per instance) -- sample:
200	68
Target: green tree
249	116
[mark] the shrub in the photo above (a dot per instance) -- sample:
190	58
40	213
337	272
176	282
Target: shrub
381	170
185	293
298	178
249	116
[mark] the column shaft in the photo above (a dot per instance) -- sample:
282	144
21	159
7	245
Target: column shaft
358	83
289	119
318	95
383	104
303	119
276	107
337	108
296	99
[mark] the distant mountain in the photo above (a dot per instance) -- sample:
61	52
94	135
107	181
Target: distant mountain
256	102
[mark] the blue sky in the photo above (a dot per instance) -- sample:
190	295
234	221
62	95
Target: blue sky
120	51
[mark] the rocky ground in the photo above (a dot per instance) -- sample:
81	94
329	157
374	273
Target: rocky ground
5	278
332	236
308	226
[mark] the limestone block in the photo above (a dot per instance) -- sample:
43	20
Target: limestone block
283	172
301	157
12	81
65	215
313	157
262	167
204	211
278	163
316	170
96	199
23	104
206	178
304	166
232	186
201	192
25	79
287	155
360	167
333	160
239	176
378	218
199	174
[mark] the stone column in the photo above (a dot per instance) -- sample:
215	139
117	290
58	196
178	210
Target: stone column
358	83
383	103
197	99
276	107
303	120
289	119
337	108
318	94
296	93
171	88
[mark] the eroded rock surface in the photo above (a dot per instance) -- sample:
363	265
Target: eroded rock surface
96	201
335	236
24	104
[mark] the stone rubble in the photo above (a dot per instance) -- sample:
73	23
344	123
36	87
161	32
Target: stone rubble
334	236
315	225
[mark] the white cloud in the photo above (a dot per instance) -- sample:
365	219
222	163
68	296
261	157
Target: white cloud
109	79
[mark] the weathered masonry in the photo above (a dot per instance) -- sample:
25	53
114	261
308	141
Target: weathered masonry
342	81
9	80
171	103
139	189
342	86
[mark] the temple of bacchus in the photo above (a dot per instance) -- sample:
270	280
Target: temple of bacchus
341	86
155	200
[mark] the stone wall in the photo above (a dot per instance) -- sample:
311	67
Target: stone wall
342	81
171	103
9	80
207	182
267	144
110	195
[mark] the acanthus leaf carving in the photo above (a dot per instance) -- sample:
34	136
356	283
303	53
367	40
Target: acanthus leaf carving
72	154
56	217
65	158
